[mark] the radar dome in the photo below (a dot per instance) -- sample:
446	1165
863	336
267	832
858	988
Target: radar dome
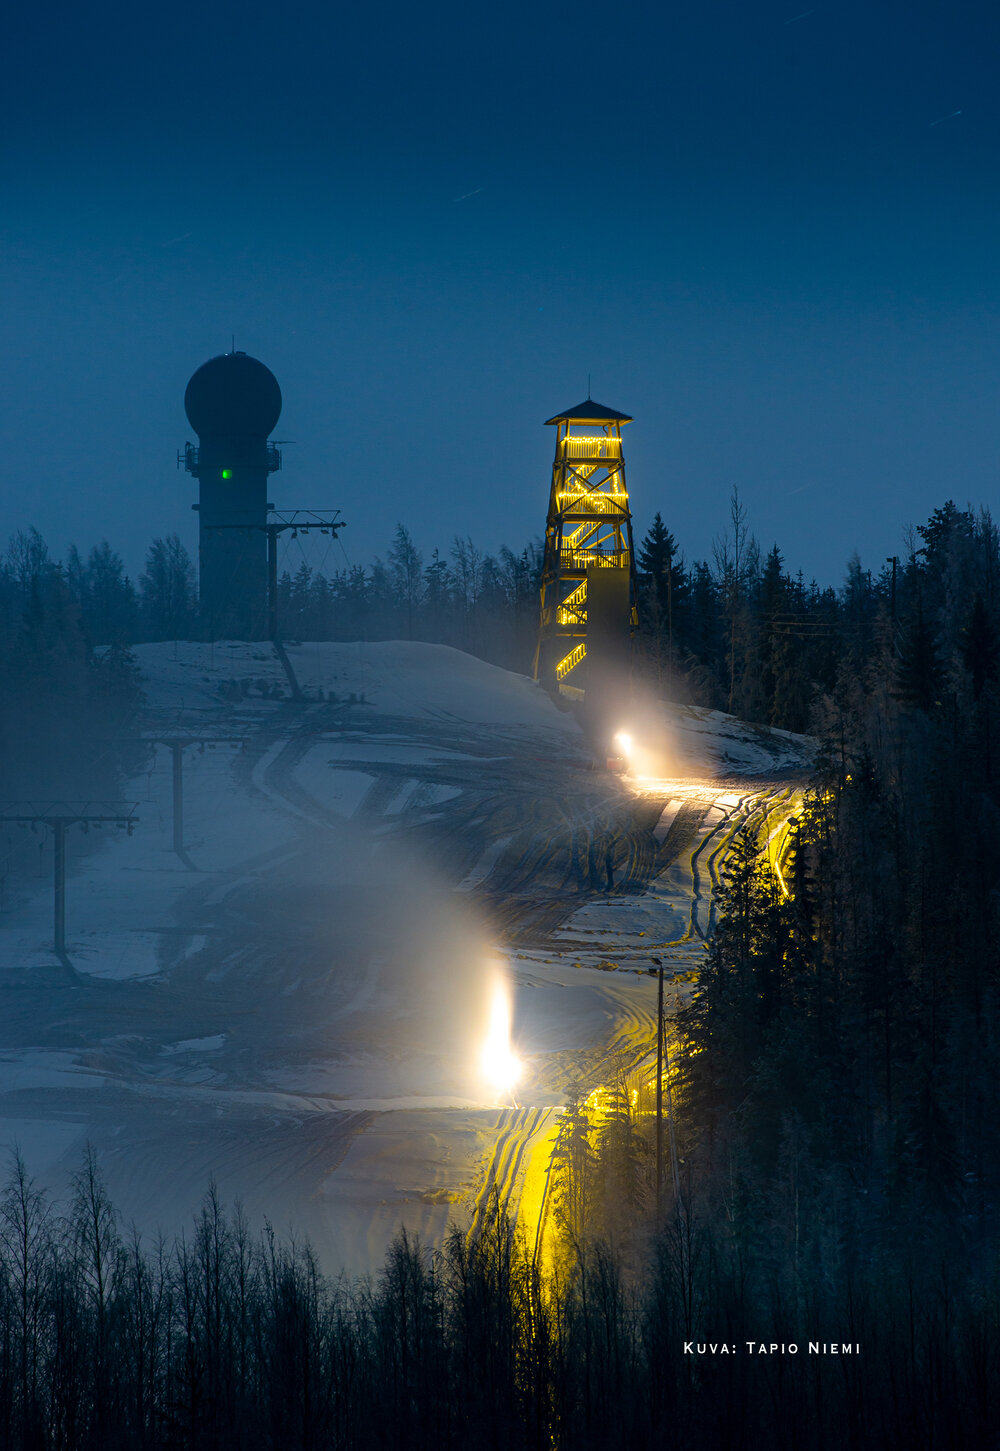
233	395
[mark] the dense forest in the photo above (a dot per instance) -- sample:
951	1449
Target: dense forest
833	1168
740	632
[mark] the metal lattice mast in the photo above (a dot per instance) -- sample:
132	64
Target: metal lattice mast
57	816
589	565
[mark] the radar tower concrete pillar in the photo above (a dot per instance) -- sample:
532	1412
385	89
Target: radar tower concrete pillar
232	403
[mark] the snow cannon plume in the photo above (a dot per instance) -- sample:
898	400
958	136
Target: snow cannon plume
499	1064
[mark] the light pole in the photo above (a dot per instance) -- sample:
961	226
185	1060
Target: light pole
893	559
659	1084
300	521
662	1062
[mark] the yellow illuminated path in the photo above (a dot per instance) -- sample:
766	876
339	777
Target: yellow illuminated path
535	1203
290	1019
697	823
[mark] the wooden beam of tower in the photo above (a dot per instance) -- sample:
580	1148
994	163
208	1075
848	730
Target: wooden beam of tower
588	598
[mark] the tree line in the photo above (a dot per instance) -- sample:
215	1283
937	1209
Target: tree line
484	603
834	1152
739	632
68	709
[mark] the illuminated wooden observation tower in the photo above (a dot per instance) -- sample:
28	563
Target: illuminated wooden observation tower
588	595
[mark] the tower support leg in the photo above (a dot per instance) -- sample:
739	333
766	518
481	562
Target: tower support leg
272	585
177	751
59	885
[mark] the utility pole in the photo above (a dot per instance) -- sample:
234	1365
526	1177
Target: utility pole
659	1086
299	521
674	1160
176	745
272	531
893	559
58	815
177	751
663	1064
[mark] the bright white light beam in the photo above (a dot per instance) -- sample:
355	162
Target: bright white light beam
624	740
500	1064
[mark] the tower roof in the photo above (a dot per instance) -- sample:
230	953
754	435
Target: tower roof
590	412
233	395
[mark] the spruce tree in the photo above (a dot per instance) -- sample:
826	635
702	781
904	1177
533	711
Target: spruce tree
919	678
406	572
167	593
980	647
662	573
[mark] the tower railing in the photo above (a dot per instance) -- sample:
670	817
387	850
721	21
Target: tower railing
570	661
191	458
590	446
591	559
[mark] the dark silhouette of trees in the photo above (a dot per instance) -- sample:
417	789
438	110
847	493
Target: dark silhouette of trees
167	591
919	678
833	1079
740	632
406	564
63	701
108	603
233	1339
980	647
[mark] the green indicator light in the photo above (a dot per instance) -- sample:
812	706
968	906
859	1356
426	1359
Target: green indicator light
227	473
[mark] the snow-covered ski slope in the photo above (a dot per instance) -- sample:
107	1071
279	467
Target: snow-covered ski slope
296	1007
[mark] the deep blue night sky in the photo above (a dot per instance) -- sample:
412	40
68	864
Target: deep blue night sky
761	228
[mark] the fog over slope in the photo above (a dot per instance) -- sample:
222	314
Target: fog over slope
296	1008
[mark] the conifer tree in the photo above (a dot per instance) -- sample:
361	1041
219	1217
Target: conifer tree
574	1160
406	566
108	599
167	591
980	647
919	678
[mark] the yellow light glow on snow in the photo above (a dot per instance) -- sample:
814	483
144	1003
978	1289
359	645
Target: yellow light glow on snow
646	740
500	1065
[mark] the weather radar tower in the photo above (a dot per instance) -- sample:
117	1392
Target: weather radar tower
588	593
232	403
